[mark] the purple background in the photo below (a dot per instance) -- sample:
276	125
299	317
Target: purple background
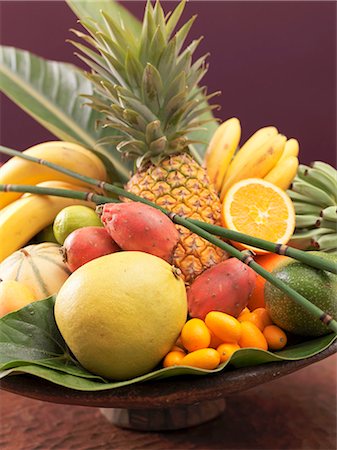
275	63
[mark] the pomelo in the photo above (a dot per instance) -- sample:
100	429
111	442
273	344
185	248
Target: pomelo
121	313
318	286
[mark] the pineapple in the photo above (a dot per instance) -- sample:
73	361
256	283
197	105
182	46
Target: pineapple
179	184
147	89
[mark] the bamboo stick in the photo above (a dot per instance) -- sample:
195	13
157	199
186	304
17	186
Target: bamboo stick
58	192
305	257
245	257
281	249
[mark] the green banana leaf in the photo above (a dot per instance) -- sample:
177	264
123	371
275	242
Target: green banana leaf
88	8
49	91
30	343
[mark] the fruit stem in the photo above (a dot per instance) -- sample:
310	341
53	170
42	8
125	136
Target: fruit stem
280	249
78	195
245	257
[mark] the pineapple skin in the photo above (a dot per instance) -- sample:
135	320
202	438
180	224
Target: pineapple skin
179	184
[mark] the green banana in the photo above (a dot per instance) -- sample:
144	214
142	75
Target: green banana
295	196
307	208
317	195
327	224
305	239
325	167
314	195
318	178
302	170
306	220
326	242
329	213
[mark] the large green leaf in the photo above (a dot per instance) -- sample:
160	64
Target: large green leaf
31	343
88	8
49	91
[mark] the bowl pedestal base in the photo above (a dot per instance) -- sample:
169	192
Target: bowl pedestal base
172	418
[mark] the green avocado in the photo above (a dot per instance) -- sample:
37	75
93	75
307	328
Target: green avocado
318	286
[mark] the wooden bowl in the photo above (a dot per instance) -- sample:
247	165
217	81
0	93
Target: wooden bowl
163	404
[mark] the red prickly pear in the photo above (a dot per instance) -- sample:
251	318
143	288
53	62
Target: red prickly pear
136	226
224	287
85	244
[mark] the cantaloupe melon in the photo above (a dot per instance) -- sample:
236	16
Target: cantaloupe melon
39	266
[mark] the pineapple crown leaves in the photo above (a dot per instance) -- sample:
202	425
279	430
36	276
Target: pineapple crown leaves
146	86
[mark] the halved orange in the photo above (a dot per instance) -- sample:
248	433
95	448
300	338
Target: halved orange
259	208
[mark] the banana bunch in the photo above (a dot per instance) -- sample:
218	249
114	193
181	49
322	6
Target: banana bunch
314	195
31	213
66	154
266	154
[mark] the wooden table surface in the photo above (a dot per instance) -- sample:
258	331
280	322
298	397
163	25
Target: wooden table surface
295	412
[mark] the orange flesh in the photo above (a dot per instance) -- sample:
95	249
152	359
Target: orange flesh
268	218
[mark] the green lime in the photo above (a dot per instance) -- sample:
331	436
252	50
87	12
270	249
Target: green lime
71	218
317	286
46	235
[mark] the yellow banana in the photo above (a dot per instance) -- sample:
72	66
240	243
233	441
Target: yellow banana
258	164
249	148
96	161
221	150
291	148
25	217
66	154
283	173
